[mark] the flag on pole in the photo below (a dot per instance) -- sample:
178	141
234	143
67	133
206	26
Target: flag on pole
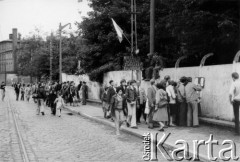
118	30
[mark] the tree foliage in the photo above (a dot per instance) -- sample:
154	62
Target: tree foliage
182	27
34	58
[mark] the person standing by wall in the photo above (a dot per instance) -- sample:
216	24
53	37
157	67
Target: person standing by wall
192	102
131	97
151	95
84	93
3	90
142	98
172	102
160	114
181	97
234	98
78	90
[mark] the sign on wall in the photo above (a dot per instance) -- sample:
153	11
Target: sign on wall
200	81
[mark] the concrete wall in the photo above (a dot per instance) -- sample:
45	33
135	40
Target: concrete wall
215	102
94	87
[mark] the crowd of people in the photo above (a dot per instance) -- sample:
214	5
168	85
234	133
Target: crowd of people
52	94
165	104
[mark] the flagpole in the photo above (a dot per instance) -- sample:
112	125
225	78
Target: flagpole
127	39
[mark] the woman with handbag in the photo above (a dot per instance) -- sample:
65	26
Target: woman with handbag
161	114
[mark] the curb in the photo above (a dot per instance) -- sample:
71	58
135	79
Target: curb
202	120
128	131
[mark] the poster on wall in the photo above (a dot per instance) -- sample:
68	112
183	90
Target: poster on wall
200	81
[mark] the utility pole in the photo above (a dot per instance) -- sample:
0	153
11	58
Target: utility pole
152	25
60	49
31	60
239	24
132	27
51	56
135	22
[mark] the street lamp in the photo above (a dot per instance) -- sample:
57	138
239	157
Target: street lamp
60	49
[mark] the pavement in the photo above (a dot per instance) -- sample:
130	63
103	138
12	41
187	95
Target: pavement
82	134
189	134
69	138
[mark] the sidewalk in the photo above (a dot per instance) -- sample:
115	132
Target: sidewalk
95	113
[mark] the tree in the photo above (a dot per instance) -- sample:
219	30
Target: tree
183	27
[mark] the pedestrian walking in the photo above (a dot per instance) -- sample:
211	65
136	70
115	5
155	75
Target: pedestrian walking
41	96
192	102
117	106
131	97
17	90
52	97
3	90
28	92
59	104
105	105
234	97
161	114
22	91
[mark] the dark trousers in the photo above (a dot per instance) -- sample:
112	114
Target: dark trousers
150	117
53	108
140	112
84	101
182	119
22	96
236	105
17	96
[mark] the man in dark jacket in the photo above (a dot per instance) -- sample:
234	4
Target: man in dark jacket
123	87
41	96
131	97
17	90
111	92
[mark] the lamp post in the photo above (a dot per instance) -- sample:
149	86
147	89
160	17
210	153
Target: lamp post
60	49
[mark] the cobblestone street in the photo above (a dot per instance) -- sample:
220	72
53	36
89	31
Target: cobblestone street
68	138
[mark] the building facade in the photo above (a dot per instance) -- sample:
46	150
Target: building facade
8	57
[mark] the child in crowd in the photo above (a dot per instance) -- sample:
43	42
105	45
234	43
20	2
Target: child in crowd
59	104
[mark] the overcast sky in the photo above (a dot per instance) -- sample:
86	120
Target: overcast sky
46	15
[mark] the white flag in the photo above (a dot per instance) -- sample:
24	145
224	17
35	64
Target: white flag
118	30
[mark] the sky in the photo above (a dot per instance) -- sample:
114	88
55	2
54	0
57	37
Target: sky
27	15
